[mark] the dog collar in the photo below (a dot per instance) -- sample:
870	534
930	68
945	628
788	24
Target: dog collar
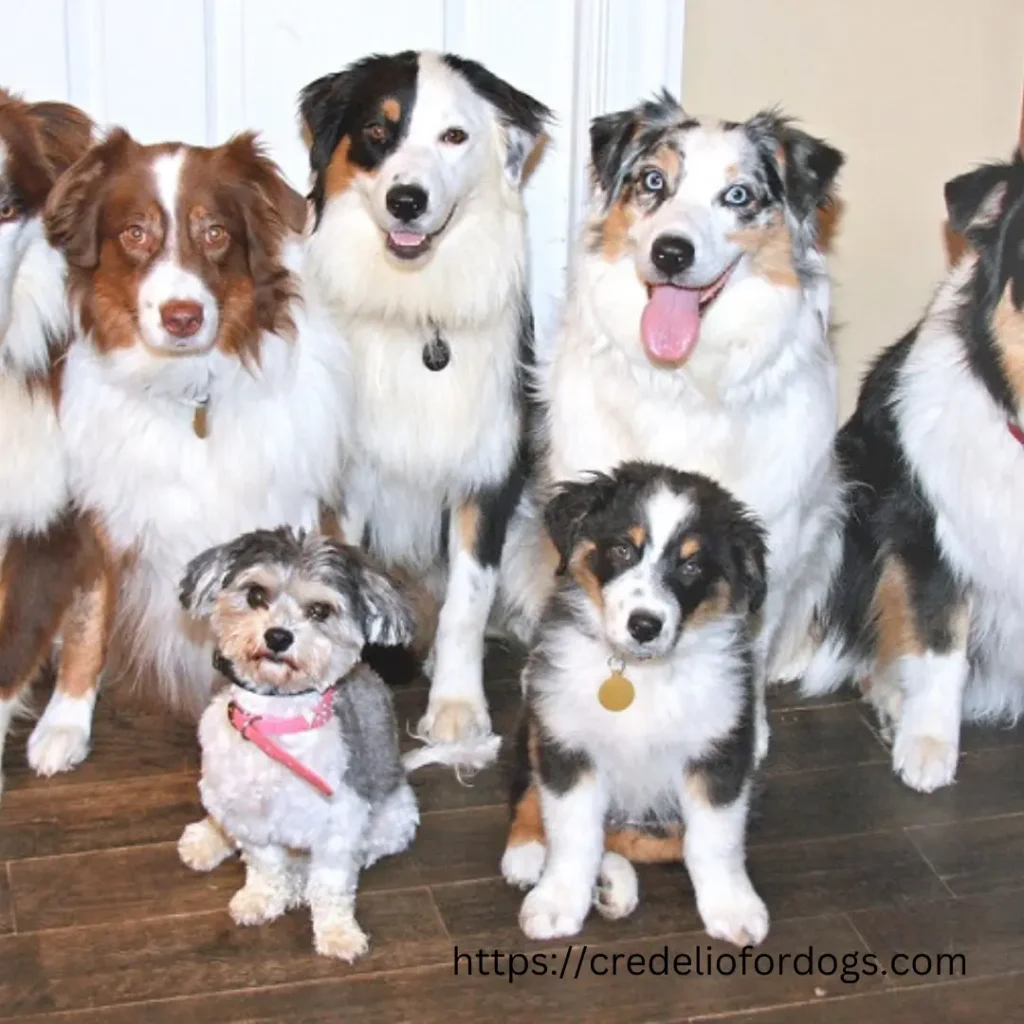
259	729
1015	429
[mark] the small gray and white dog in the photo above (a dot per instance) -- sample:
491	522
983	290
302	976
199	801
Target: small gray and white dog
300	761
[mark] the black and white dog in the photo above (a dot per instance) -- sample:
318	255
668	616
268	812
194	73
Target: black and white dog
927	610
639	700
696	335
419	248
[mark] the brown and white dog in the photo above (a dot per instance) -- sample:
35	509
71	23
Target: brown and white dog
203	398
48	564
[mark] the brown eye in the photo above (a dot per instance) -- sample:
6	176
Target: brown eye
622	555
454	136
690	570
375	131
133	235
215	235
8	212
318	611
256	596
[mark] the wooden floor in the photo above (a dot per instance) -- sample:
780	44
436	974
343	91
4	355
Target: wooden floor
100	922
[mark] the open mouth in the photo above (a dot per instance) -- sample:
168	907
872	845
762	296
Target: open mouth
409	245
670	324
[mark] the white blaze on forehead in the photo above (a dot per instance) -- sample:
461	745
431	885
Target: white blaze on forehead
167	280
666	512
444	99
708	154
3	158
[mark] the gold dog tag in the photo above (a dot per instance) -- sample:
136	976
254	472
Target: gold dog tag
200	420
616	693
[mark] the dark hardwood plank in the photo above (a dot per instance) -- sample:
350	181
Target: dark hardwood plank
126	745
795	880
805	739
449	847
988	930
71	819
787	695
974	738
960	1002
112	886
869	798
987	856
193	954
6	903
435	994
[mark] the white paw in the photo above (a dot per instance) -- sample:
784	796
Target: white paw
925	763
343	940
522	865
257	903
552	911
762	738
618	890
454	721
203	846
56	748
736	914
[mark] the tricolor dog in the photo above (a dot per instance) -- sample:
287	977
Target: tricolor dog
639	703
419	251
927	609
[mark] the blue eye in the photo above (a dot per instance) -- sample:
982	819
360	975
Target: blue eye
653	180
737	195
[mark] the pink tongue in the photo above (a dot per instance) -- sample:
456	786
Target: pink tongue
670	323
407	238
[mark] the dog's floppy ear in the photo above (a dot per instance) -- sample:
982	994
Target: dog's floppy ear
384	613
566	513
522	118
72	208
747	555
610	134
322	106
975	199
203	580
806	165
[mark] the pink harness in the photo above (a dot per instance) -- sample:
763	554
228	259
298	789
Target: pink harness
258	729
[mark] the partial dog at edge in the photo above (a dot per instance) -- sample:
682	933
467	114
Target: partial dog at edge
290	614
639	702
419	250
927	609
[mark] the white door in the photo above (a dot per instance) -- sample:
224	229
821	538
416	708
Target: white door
199	70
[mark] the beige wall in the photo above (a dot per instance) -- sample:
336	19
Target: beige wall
913	91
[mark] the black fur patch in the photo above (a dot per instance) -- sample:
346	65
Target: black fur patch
348	104
726	768
560	769
515	109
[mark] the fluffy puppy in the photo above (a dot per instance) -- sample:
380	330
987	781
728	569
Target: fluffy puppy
927	608
696	335
639	700
419	249
50	563
290	614
205	395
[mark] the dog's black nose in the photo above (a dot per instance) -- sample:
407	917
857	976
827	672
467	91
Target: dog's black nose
643	626
406	202
672	254
278	639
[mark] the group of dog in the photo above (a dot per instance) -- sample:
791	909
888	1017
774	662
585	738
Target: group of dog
243	435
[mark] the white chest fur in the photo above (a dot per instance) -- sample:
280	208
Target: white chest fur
682	706
33	487
258	800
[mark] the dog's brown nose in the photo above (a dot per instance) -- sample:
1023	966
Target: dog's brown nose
181	317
